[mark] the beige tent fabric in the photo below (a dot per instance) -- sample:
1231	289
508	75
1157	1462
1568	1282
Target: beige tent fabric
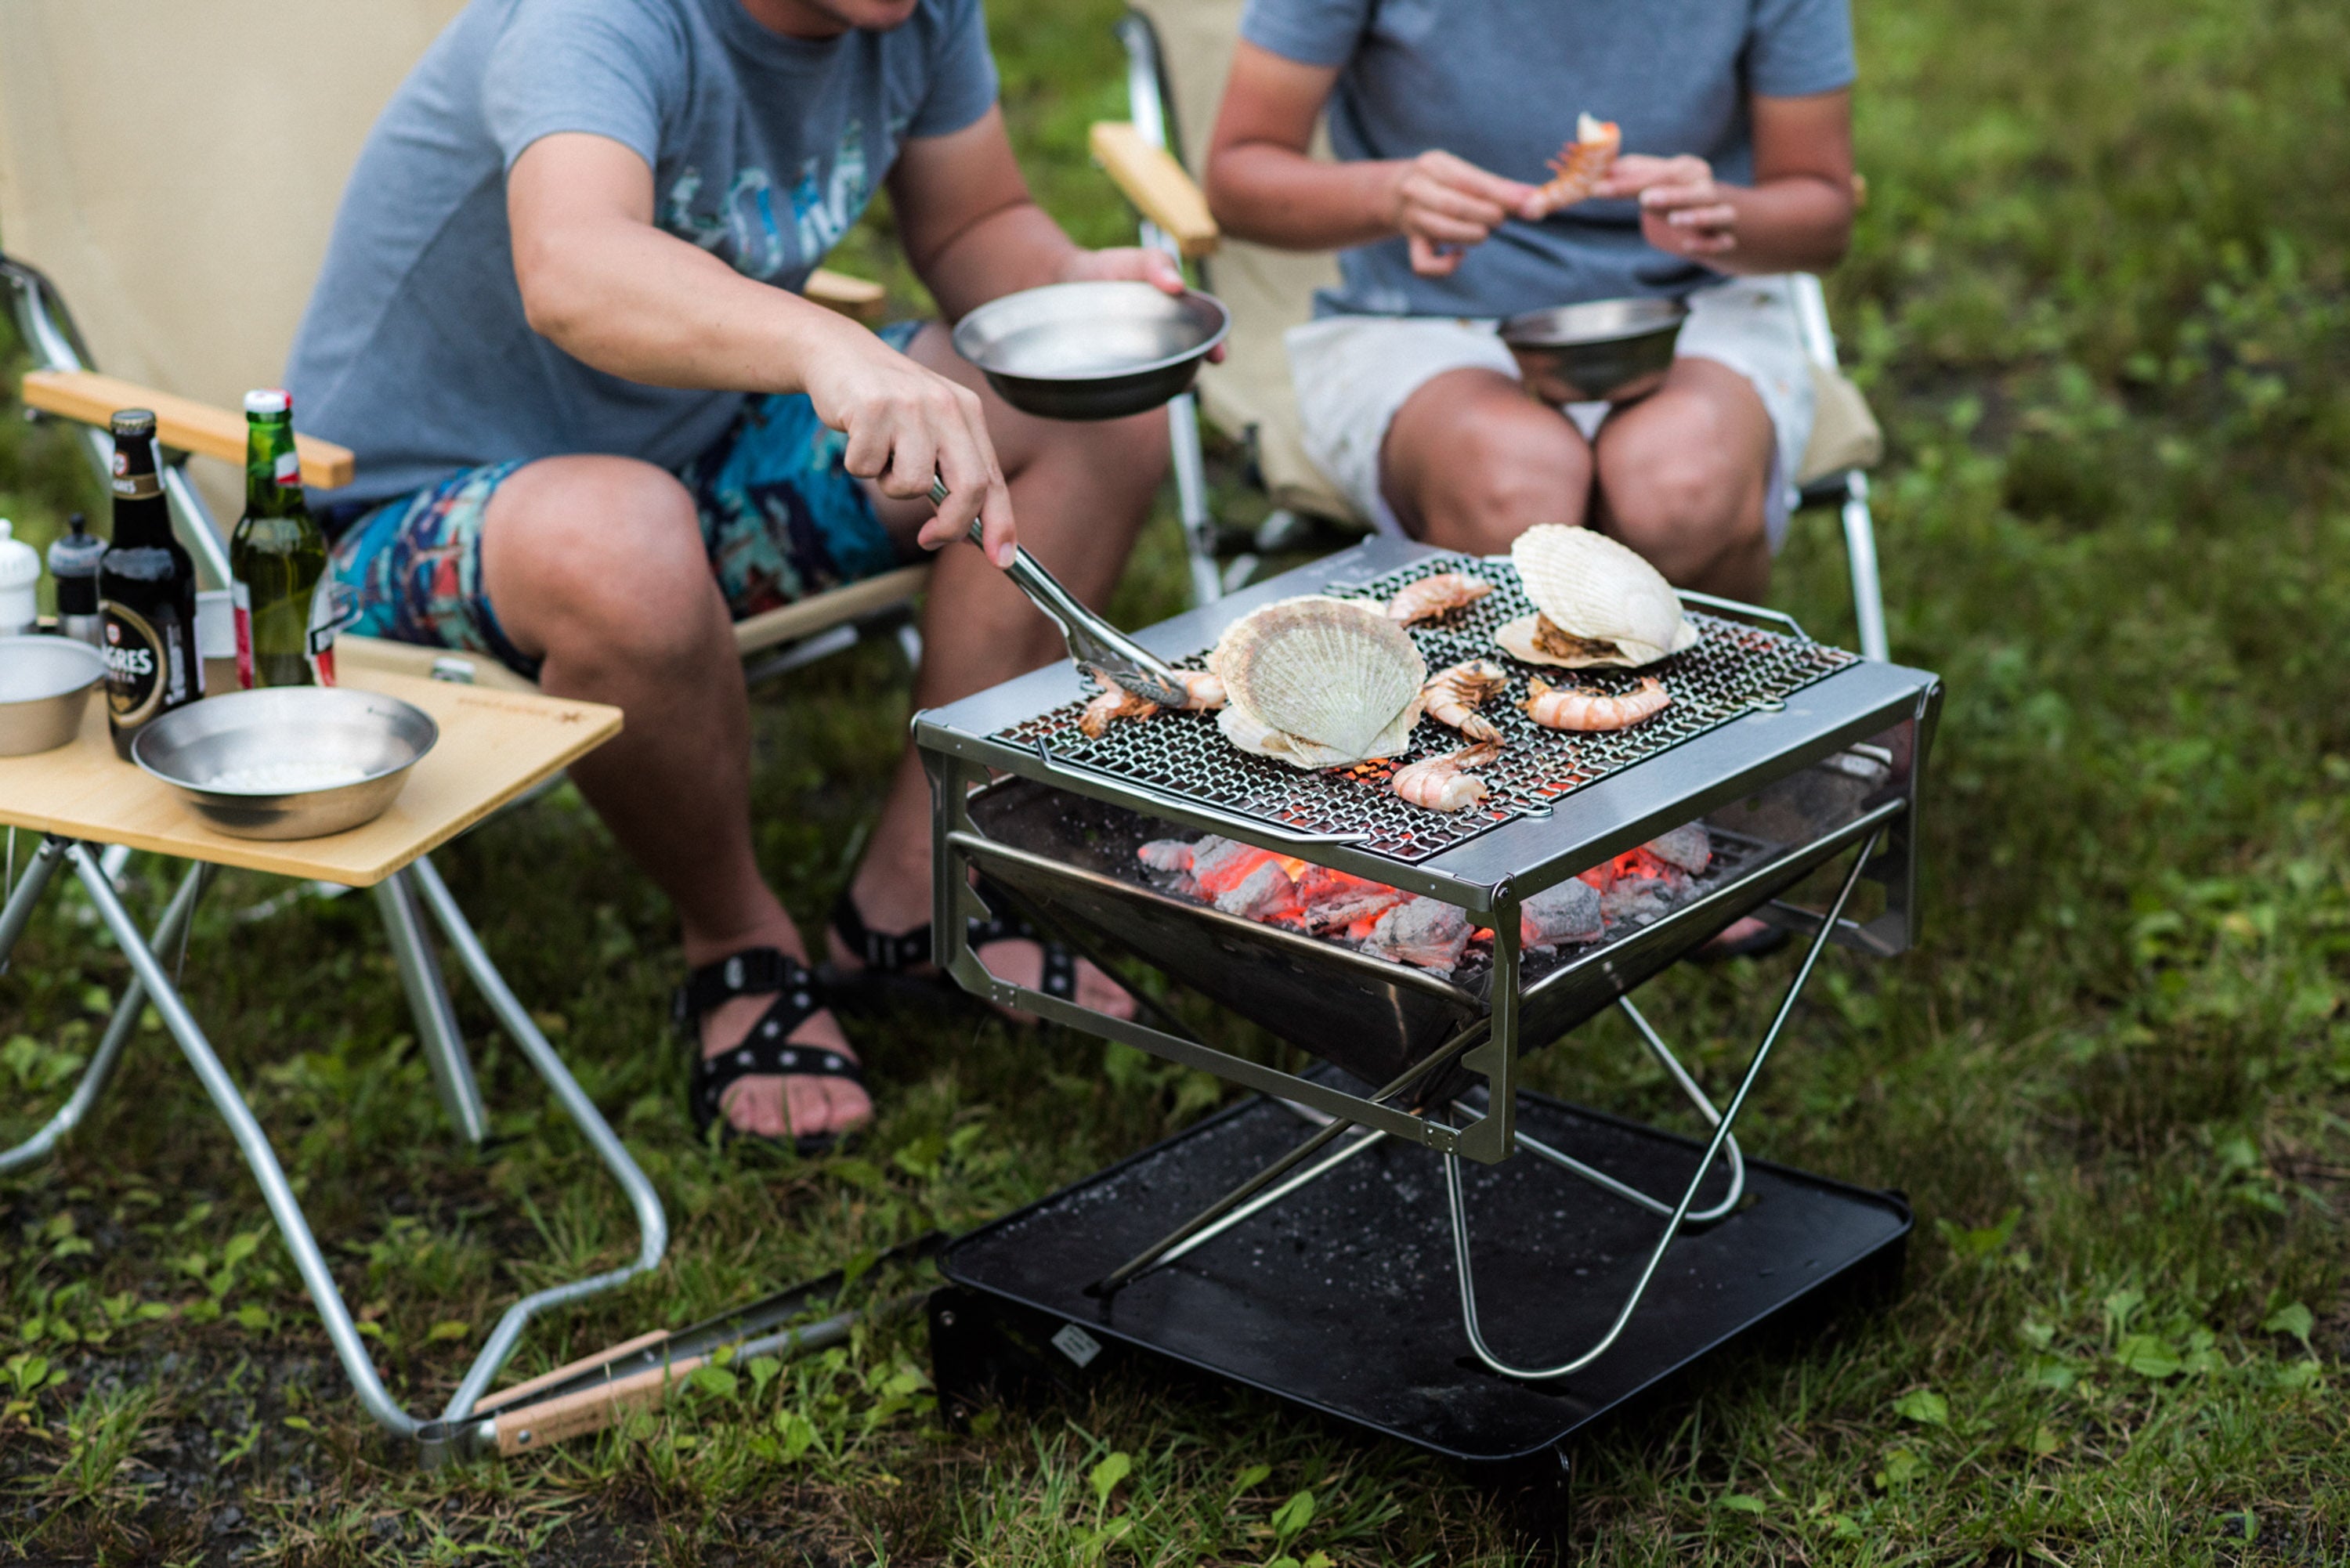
174	166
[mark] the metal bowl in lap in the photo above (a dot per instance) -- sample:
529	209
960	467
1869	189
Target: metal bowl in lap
44	685
1610	350
1091	350
298	761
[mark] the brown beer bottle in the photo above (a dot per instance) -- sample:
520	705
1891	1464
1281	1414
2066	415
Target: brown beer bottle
146	591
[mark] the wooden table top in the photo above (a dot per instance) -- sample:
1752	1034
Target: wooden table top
494	745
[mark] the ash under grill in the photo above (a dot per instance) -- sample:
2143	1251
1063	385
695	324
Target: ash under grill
1733	669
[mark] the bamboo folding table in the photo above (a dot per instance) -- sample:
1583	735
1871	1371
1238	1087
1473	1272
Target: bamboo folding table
494	744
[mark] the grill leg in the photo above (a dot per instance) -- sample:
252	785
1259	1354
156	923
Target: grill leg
1458	1204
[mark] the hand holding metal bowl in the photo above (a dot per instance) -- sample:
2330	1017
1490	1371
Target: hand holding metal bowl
1094	350
1609	350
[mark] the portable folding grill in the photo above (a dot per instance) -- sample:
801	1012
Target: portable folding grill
1791	753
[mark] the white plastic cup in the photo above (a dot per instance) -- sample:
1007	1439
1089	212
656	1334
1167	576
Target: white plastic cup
20	577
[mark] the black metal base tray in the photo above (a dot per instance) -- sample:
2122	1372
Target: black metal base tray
1342	1297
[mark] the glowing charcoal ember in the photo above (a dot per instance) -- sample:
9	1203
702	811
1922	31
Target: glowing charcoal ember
1266	893
1221	864
1166	855
1636	900
1686	847
1569	912
1319	883
1423	932
1362	908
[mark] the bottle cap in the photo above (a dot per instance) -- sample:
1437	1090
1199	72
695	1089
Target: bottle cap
132	422
20	564
268	401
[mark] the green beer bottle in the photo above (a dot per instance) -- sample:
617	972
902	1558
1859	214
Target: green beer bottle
284	627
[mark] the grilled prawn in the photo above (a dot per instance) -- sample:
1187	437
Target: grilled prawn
1454	693
1580	165
1432	596
1444	783
1573	708
1205	693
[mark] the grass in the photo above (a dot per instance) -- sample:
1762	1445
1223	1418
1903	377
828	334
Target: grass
2098	298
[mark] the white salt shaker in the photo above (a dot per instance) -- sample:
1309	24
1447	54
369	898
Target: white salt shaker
20	574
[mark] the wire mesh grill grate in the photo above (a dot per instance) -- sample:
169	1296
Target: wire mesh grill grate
1731	669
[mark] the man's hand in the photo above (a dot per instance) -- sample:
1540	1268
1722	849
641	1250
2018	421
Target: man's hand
1442	205
1682	212
906	424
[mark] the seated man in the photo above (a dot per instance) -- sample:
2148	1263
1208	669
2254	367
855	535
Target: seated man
1736	118
557	322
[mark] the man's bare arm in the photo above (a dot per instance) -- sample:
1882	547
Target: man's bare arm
606	286
1262	185
972	232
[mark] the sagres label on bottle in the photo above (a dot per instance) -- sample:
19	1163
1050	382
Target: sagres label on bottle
134	486
134	666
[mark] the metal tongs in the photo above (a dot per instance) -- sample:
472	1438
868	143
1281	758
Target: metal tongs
1093	642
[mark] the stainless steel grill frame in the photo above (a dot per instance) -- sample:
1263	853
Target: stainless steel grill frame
1770	715
1856	713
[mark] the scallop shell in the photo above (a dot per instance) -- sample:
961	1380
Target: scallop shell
1251	733
1593	589
1330	672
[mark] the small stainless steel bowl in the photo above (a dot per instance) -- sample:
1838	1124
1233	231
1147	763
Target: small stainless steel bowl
1609	350
1091	350
45	686
220	754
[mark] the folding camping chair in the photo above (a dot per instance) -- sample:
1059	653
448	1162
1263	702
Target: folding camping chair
1177	55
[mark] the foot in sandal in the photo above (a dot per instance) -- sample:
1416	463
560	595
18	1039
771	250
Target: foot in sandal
772	1061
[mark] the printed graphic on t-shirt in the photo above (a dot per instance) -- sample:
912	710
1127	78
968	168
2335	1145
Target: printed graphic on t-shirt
746	233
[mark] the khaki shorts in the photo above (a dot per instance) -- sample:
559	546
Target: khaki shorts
1354	372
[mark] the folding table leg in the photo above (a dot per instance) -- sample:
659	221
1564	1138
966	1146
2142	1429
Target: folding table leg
428	999
1460	1209
109	1055
26	893
250	1141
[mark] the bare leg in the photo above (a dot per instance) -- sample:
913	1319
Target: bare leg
596	565
1470	463
1081	492
1681	477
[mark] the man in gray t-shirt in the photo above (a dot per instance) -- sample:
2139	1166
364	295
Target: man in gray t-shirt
1736	165
558	322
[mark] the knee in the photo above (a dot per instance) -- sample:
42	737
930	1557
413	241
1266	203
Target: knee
1684	500
1496	478
608	554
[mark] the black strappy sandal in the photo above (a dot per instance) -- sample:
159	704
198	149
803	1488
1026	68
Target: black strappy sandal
766	1051
890	959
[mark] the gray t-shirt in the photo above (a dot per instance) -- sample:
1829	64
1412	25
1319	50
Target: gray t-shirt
1500	82
414	351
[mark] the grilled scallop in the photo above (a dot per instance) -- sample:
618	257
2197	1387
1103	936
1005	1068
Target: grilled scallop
1597	602
1319	682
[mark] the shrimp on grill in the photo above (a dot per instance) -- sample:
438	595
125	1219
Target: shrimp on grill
1203	691
1453	694
1432	596
1444	783
1573	708
1580	165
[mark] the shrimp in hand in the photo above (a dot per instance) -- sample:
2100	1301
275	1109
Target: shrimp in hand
1453	695
1573	708
1444	784
1580	166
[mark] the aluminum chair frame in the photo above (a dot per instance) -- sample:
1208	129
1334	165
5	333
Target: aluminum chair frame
1150	105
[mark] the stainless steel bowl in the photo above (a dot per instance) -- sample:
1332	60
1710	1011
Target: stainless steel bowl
297	762
45	686
1609	350
1091	350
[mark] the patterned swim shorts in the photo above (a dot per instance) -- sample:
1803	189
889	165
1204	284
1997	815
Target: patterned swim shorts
781	518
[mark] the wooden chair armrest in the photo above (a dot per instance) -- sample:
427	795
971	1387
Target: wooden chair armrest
852	297
1155	184
183	423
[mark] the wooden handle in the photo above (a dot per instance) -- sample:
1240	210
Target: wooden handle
854	297
183	423
534	1427
506	1396
1157	186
